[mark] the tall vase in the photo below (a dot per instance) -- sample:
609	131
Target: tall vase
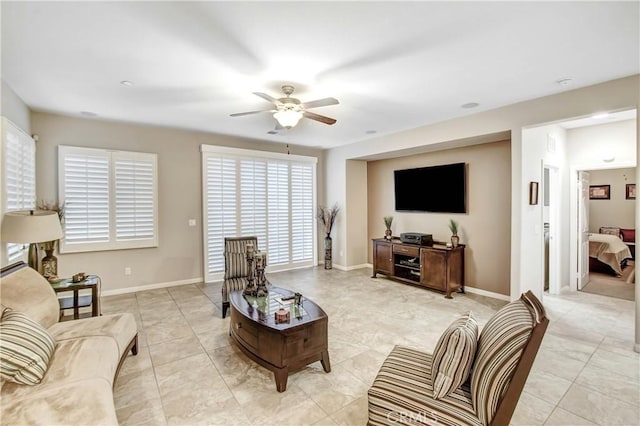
49	265
455	240
327	252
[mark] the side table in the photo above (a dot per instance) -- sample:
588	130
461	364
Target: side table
76	302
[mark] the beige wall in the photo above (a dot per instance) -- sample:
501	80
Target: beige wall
485	229
179	256
618	211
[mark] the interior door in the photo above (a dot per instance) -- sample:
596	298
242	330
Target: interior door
583	229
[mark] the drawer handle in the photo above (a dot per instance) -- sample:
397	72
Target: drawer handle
404	250
238	325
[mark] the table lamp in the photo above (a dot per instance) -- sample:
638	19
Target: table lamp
32	227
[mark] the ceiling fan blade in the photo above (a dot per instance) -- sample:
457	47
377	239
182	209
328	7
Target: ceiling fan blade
318	117
240	114
266	97
320	102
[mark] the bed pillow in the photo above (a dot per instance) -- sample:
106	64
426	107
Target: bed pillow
628	235
453	355
25	348
610	230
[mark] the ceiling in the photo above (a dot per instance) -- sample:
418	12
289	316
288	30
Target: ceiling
393	66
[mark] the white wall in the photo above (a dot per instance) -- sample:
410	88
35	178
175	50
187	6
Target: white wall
617	211
14	108
610	96
543	145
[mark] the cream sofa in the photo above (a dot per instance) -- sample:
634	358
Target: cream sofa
77	388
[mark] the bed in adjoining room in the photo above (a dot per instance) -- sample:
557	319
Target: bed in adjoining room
607	253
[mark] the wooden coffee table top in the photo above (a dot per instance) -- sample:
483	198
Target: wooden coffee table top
262	310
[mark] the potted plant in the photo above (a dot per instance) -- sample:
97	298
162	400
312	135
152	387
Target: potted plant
327	217
388	220
453	226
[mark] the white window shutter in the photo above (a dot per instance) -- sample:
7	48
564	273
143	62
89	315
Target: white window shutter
278	212
110	199
134	197
302	212
19	157
221	208
86	196
253	193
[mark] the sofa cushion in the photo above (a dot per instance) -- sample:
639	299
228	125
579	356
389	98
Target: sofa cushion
25	348
628	235
402	394
453	355
89	358
120	327
26	291
82	402
499	348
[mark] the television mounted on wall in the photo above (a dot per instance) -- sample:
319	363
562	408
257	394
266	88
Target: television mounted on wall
438	189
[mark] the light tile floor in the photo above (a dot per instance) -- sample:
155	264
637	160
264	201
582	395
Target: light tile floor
188	371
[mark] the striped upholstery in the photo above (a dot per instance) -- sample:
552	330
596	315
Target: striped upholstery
454	354
402	394
233	284
499	349
235	264
25	348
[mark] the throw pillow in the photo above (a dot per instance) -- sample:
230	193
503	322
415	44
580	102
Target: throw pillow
628	235
25	348
453	355
610	230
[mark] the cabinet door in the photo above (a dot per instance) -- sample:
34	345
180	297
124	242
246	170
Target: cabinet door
382	257
434	269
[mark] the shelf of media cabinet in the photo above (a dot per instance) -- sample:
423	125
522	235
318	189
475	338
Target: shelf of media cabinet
436	267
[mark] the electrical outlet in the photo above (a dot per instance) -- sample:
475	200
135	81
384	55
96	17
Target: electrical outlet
192	222
127	271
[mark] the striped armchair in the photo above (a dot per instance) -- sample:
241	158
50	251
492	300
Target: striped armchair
403	391
236	269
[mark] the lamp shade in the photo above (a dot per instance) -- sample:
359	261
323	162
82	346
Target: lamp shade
288	118
31	226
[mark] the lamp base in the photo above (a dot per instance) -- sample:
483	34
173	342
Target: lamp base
33	256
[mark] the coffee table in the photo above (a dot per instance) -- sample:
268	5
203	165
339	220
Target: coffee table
279	347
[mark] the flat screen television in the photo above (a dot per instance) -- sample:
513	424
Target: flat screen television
441	189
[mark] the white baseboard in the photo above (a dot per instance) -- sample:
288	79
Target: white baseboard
151	286
487	293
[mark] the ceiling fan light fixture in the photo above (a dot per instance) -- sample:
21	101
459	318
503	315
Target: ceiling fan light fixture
287	118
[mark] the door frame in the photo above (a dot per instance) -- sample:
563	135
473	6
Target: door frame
555	221
573	212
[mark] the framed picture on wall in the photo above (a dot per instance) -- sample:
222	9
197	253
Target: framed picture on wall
631	191
533	193
600	192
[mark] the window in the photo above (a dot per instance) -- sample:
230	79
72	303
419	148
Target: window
253	193
19	177
110	199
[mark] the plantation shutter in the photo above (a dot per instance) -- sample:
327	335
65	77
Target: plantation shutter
134	194
221	206
252	193
110	199
302	212
253	200
19	154
278	212
86	195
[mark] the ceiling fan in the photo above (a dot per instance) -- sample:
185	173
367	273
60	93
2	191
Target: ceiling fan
288	111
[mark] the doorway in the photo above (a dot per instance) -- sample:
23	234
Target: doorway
551	226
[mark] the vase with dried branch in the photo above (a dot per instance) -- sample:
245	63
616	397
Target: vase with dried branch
327	217
49	261
388	220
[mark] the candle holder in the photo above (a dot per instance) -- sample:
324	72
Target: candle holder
250	289
261	263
